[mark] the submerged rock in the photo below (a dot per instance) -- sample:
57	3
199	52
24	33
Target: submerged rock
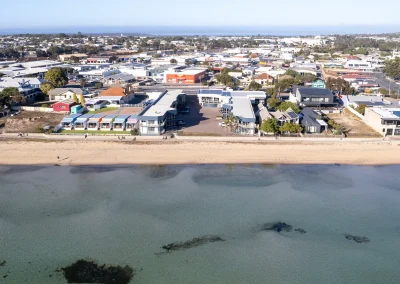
357	239
2	263
87	271
277	227
192	243
300	230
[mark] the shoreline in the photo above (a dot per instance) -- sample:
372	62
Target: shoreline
92	153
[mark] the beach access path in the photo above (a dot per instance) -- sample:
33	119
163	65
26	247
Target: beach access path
99	150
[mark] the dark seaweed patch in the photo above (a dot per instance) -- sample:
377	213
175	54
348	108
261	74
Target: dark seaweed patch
87	271
192	243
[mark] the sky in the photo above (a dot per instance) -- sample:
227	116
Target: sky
21	14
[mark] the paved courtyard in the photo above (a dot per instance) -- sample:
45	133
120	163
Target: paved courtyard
202	120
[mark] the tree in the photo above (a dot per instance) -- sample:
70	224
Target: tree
12	95
46	87
5	100
75	98
291	128
173	61
273	102
156	55
98	85
82	100
361	109
383	91
254	86
57	77
292	73
74	59
270	125
232	122
83	82
339	85
113	58
392	68
286	105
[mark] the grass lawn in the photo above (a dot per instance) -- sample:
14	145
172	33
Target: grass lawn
104	109
95	132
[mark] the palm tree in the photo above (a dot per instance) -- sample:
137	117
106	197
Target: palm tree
232	122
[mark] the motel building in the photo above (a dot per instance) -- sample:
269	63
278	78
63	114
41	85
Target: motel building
81	122
95	121
189	76
107	122
120	122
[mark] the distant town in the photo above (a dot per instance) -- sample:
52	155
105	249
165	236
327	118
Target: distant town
317	86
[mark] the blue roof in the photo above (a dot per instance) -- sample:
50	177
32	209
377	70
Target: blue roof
397	113
71	117
84	117
122	118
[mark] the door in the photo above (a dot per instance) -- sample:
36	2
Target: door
389	132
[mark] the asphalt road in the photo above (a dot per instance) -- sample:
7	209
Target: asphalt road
385	83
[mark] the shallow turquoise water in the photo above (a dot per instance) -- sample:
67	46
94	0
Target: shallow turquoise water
52	216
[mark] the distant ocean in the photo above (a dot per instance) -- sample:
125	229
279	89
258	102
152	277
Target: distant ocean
52	216
212	31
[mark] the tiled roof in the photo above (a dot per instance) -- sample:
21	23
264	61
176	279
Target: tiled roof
113	91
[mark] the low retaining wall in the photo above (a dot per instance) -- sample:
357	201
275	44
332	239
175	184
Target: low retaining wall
356	113
30	108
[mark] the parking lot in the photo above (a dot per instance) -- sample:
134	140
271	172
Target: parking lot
201	120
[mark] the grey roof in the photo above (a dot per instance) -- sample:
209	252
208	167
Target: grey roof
161	106
59	91
243	109
264	114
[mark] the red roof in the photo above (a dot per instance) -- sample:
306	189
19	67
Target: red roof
263	76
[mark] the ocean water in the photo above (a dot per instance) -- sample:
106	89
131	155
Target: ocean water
52	216
242	30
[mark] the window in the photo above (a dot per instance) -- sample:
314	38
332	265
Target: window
151	121
151	129
397	132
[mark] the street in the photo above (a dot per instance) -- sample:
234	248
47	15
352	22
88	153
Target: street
385	83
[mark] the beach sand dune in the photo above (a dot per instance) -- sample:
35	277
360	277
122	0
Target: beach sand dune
14	152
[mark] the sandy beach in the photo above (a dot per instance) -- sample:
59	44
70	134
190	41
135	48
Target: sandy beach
27	152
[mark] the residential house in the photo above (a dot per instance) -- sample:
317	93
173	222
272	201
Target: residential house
281	117
28	87
160	116
318	84
67	57
312	97
117	95
59	94
383	120
64	106
119	79
312	122
264	79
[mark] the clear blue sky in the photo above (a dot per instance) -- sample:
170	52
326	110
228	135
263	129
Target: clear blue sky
78	13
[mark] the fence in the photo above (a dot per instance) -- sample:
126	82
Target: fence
31	108
133	105
356	113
